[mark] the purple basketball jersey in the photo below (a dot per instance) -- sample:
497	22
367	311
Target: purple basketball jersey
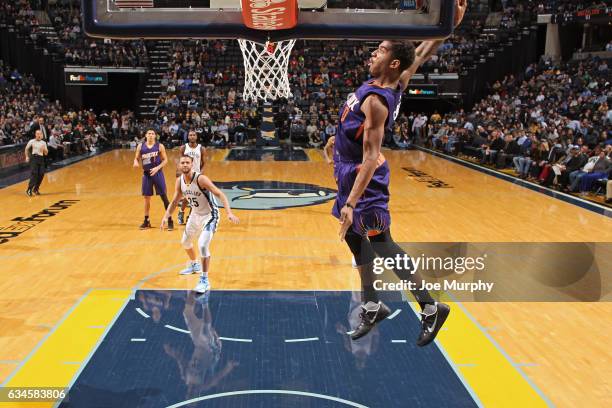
371	214
150	157
349	140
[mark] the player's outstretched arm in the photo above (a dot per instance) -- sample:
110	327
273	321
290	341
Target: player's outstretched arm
137	156
428	48
205	183
178	194
376	113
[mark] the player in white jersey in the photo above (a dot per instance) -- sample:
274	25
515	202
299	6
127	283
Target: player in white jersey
200	192
196	151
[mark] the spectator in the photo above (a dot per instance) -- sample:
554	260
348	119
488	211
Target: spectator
572	162
56	149
576	176
510	150
599	170
489	151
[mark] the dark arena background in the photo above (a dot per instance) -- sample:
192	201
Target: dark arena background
500	163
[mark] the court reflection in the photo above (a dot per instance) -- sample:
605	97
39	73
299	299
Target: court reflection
365	347
261	349
201	370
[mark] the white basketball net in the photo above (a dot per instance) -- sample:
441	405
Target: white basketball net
265	69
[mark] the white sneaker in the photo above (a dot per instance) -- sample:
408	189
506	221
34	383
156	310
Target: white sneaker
353	263
192	267
203	285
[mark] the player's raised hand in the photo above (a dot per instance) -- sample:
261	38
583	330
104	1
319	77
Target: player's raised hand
461	7
232	218
346	220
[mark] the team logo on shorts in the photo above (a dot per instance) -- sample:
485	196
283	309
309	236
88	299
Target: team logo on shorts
273	195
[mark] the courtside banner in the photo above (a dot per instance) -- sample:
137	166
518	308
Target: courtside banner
416	91
270	15
86	78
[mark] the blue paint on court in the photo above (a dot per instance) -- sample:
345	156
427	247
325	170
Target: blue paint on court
173	366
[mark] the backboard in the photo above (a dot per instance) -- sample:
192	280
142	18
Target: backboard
316	19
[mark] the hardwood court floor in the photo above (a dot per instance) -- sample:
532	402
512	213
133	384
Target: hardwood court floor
95	243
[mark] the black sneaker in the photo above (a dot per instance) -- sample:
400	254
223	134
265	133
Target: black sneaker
170	224
36	192
145	224
29	193
180	218
432	319
371	314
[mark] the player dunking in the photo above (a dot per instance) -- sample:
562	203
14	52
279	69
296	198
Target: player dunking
153	157
362	176
204	217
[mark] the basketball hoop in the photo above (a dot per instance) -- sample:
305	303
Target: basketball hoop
266	69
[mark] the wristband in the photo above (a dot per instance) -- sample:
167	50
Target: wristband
349	206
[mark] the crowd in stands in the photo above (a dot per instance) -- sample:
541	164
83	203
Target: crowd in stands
78	49
21	14
553	126
203	94
566	6
19	99
203	88
24	109
72	46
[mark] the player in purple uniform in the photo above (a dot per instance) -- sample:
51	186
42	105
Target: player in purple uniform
362	176
153	157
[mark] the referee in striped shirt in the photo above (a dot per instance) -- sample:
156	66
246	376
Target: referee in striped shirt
36	158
